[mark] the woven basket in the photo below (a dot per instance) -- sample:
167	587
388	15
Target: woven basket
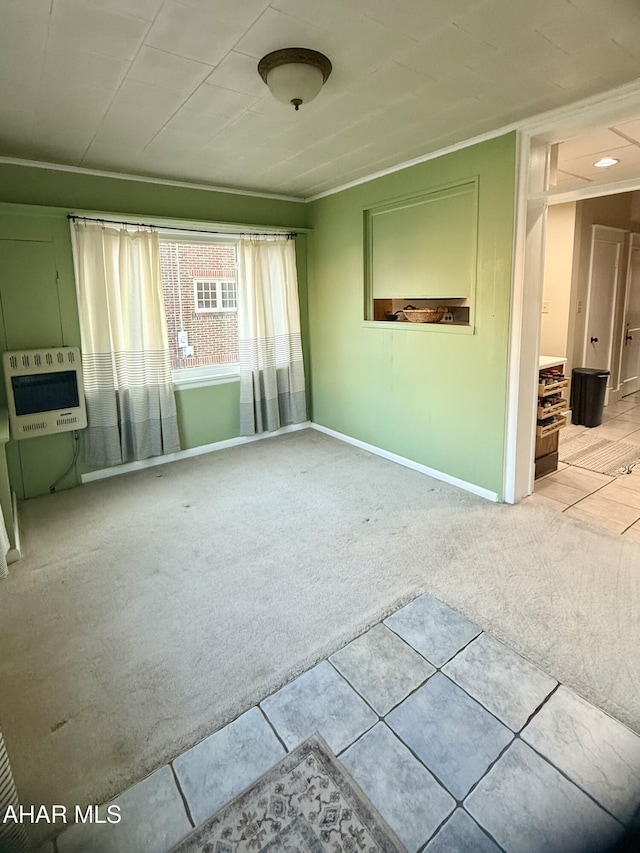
425	315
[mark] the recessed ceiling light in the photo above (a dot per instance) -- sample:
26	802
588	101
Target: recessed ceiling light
606	161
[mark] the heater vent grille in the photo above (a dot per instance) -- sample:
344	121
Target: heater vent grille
39	358
44	391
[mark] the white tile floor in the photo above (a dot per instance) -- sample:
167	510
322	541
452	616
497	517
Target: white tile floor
462	745
609	502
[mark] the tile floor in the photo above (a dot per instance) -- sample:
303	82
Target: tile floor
609	502
462	745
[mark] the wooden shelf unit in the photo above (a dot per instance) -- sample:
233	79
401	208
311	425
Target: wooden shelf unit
552	410
547	434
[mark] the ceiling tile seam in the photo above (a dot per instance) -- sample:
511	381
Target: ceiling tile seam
391	29
624	136
143	42
474	36
204	82
41	75
534	124
551	41
573	175
623	49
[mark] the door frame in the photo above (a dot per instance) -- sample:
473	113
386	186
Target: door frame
533	143
621	232
632	244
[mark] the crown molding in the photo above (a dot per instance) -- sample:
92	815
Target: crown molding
432	155
614	105
145	179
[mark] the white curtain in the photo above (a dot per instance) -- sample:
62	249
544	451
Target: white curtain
13	838
272	389
126	364
5	546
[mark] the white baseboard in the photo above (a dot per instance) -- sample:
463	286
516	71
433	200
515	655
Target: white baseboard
234	442
409	463
127	467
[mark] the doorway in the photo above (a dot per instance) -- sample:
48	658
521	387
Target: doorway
588	301
534	198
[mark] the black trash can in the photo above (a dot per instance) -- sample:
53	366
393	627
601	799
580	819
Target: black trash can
588	387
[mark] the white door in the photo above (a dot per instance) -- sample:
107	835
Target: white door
630	354
604	273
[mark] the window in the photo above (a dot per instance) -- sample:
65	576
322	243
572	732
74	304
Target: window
215	295
200	294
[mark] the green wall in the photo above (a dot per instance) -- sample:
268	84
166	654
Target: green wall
37	292
437	397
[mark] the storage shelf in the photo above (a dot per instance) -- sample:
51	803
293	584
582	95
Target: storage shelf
552	387
542	431
552	410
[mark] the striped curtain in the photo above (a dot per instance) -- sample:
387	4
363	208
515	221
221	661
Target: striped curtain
128	385
5	546
272	388
12	835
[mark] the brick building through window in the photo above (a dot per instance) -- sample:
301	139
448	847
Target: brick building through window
199	284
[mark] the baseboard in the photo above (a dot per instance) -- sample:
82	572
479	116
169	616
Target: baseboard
127	467
409	463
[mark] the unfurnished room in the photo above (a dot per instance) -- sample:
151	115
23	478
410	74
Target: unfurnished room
320	421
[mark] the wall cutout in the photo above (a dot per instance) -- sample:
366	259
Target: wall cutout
422	248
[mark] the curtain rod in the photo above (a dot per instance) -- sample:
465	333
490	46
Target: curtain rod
289	234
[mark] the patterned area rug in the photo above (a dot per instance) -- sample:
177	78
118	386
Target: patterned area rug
305	804
587	450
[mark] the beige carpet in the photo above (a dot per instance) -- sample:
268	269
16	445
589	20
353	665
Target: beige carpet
153	607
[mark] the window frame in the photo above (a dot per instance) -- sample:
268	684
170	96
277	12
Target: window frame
218	282
210	374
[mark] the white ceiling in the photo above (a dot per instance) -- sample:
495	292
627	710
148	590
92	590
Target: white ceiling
577	156
169	88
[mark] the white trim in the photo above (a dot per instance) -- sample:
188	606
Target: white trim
611	107
525	322
432	155
408	463
607	108
127	467
615	105
634	238
515	331
145	179
561	195
104	473
204	381
620	232
217	291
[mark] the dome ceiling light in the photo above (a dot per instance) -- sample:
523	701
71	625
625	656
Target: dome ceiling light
605	162
294	75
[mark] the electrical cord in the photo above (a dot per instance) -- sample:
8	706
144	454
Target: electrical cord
76	438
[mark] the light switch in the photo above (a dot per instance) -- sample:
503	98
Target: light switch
183	339
545	307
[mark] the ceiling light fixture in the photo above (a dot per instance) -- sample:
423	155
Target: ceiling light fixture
605	162
294	75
